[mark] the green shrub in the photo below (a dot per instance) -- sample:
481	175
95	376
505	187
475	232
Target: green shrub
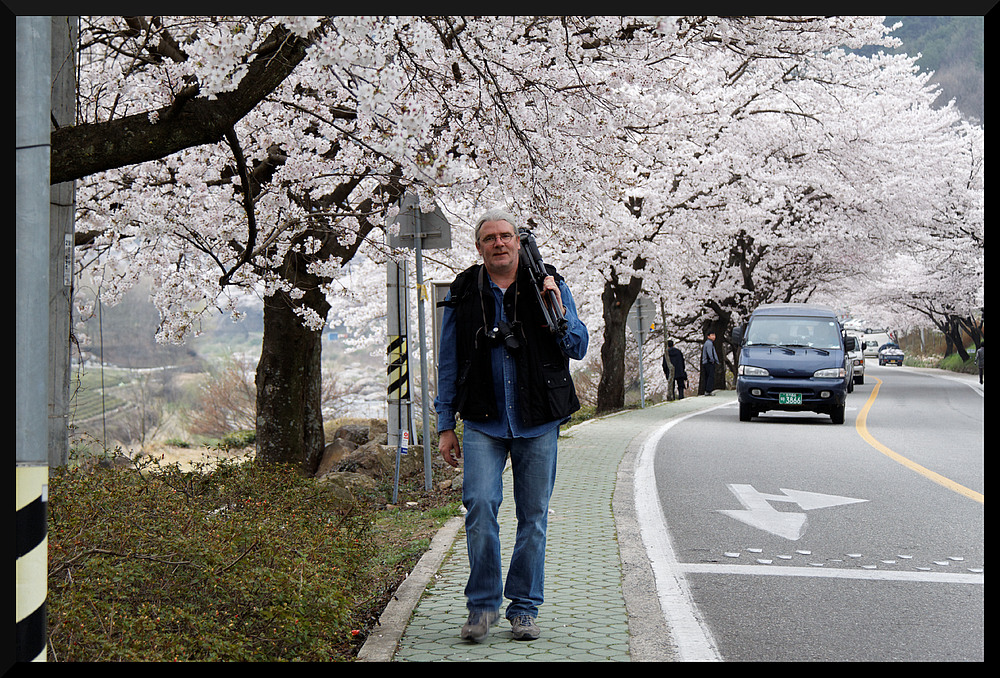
237	440
583	414
955	363
229	563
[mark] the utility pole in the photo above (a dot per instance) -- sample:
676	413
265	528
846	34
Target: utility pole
33	148
641	320
62	213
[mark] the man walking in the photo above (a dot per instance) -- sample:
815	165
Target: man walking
709	360
676	360
507	375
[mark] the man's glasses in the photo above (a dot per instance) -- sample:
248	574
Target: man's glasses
505	238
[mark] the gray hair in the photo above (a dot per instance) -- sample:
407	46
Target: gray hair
496	214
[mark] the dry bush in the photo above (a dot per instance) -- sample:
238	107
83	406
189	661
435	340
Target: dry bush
227	401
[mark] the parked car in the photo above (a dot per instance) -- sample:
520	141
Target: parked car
872	340
792	358
890	354
857	357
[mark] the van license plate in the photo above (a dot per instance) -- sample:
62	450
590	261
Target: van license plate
789	398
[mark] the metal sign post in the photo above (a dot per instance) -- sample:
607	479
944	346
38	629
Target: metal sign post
641	320
421	230
421	294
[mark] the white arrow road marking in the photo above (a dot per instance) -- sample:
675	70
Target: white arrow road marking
757	512
813	500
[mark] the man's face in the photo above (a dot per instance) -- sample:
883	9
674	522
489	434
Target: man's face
498	256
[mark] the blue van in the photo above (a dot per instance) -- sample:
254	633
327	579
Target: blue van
792	358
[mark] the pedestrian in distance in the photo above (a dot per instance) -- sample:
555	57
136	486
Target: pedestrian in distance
676	359
979	361
709	361
506	374
668	372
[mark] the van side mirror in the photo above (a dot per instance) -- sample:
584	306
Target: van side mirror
850	344
738	333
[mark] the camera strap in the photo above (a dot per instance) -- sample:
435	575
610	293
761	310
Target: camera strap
482	303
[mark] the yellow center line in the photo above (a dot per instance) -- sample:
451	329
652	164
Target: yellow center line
862	428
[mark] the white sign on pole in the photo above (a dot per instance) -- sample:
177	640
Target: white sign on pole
434	230
641	321
641	317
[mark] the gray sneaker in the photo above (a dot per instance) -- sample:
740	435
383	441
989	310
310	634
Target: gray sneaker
523	627
478	625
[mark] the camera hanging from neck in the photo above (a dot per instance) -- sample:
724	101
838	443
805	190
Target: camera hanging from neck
502	333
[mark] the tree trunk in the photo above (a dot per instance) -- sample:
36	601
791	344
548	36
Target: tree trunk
955	331
973	328
617	299
289	385
289	379
948	343
728	352
720	326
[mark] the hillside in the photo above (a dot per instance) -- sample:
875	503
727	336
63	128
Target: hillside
953	47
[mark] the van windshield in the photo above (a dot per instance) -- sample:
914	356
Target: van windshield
793	331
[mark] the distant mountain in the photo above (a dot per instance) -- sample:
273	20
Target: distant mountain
953	47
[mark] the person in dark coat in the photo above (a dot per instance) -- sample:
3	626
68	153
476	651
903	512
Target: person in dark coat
676	359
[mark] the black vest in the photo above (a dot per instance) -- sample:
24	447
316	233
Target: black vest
545	387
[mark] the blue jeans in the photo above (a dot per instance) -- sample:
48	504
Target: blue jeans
533	463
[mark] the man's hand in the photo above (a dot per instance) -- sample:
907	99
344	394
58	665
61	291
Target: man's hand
549	285
448	445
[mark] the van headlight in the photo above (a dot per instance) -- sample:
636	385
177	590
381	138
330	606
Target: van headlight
831	373
751	371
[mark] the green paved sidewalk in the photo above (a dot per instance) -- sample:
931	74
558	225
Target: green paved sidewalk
597	584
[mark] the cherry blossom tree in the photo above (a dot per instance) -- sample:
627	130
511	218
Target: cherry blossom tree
809	168
939	275
689	150
716	161
307	131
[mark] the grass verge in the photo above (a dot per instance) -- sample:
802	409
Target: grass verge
224	562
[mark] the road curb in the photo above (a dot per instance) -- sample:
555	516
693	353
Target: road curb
382	643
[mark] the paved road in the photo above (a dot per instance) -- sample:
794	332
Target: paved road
803	540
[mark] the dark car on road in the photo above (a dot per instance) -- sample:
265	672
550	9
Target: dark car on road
793	358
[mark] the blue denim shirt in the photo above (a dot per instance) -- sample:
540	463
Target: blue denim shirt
508	425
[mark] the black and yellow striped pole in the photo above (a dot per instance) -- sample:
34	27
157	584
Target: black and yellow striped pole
398	369
31	537
398	402
399	408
